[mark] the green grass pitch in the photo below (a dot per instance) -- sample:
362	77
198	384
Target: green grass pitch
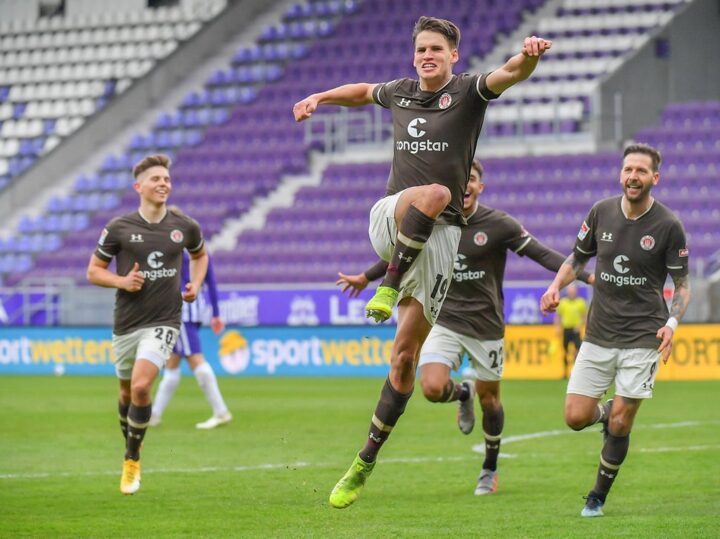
269	473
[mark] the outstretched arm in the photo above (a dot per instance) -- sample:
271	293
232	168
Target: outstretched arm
568	272
519	67
548	258
678	307
349	95
357	283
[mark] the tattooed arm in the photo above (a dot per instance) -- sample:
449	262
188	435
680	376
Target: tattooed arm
681	297
569	271
678	307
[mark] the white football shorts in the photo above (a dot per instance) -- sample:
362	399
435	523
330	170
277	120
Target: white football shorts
632	369
429	277
154	344
448	347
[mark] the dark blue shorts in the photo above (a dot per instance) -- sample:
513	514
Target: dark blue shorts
188	342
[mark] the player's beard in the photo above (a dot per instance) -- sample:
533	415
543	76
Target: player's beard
643	195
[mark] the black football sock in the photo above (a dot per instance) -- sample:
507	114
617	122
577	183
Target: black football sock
414	231
138	418
493	423
123	413
454	392
389	409
611	457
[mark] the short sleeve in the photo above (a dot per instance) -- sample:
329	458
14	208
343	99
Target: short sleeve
481	88
383	92
677	253
108	245
195	239
585	243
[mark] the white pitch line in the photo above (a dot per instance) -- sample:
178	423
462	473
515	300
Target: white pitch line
397	460
215	469
677	449
480	448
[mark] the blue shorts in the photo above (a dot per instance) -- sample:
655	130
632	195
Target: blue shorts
188	342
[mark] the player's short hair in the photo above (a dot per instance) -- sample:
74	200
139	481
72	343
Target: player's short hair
149	161
477	165
441	26
646	149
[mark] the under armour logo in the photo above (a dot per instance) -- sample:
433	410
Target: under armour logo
407	259
606	236
404	102
136	238
606	474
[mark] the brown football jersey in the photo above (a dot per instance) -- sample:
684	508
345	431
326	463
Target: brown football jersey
435	134
158	249
634	258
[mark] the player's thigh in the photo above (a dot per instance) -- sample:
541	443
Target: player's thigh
594	370
156	344
486	357
637	369
442	346
429	277
124	349
383	229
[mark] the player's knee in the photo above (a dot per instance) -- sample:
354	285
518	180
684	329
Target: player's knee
619	425
576	419
439	194
141	391
432	389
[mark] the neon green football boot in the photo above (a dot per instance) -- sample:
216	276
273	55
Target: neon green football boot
348	488
381	304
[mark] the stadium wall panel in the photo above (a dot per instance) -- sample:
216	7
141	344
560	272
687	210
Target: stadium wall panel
531	352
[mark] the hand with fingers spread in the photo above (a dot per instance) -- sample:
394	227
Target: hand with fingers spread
134	280
354	283
665	335
535	46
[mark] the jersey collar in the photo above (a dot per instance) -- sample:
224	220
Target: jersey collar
477	205
148	220
622	209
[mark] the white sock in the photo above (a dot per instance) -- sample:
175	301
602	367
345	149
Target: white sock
166	389
208	383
